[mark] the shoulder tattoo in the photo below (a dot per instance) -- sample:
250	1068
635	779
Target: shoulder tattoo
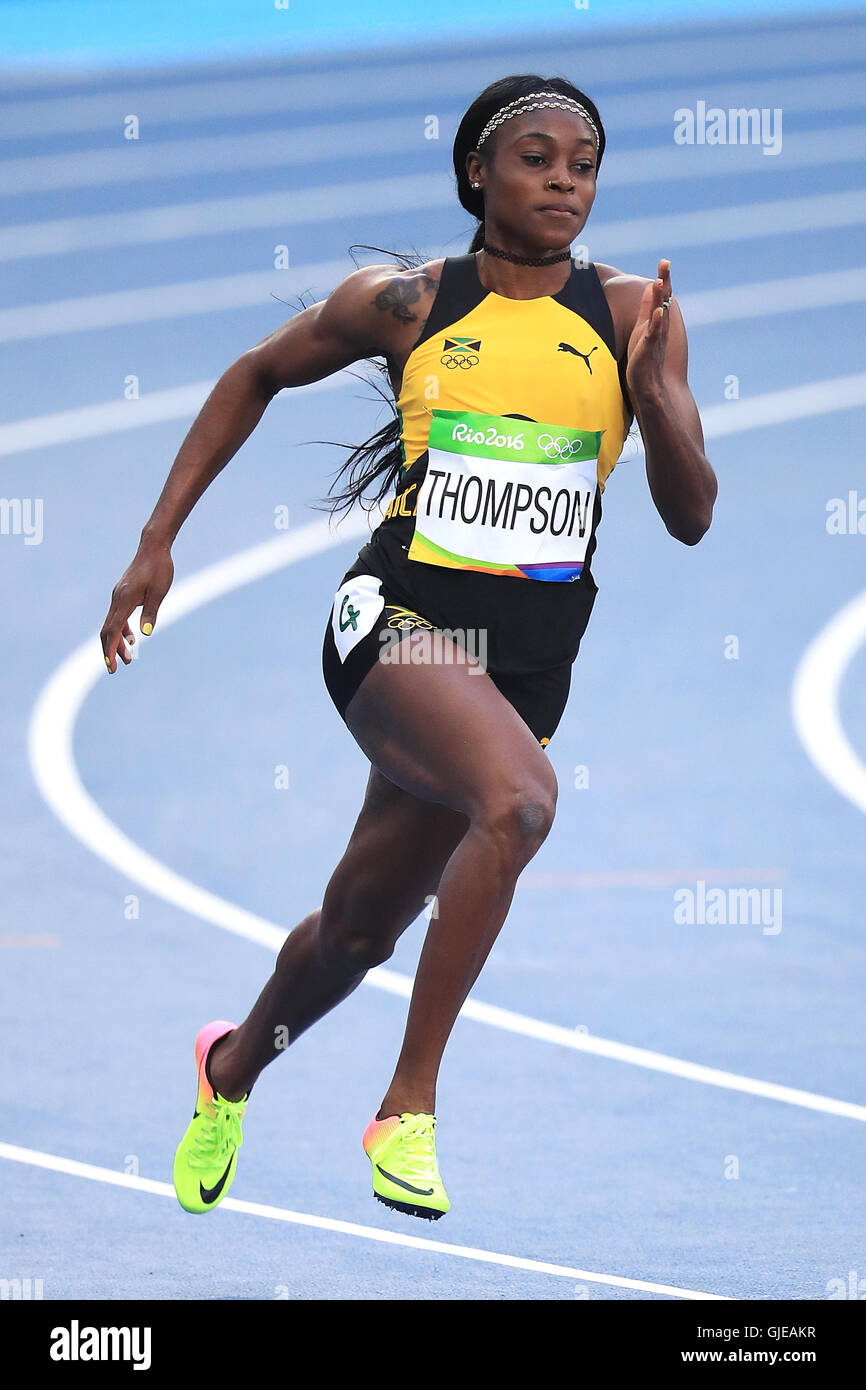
400	293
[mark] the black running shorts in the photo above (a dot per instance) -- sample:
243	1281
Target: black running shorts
367	623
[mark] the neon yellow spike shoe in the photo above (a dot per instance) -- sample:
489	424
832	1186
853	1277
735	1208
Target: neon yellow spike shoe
205	1160
402	1150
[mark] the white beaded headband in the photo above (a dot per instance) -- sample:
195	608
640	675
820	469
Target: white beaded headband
506	112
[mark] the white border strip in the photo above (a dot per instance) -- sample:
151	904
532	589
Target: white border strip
74	1168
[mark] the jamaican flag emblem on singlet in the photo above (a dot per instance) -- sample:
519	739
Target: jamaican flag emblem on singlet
460	353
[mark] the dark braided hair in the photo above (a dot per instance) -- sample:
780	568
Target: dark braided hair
376	464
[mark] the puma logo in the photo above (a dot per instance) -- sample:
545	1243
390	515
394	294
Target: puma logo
566	347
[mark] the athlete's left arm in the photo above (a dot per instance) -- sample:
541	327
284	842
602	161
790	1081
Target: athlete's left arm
680	476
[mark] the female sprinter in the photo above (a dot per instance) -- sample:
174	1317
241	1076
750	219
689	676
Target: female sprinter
516	374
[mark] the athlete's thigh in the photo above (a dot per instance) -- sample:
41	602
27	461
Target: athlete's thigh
442	731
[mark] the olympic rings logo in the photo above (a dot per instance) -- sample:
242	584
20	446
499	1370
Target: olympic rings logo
464	360
560	447
404	618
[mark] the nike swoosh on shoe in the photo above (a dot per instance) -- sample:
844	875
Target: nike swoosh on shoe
210	1194
419	1191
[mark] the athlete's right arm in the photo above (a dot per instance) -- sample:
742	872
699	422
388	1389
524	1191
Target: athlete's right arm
317	342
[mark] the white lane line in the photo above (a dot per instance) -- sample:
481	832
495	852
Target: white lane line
731	224
511	1022
50	748
771	408
105	417
815	700
287	207
290	207
37	1159
117	416
614	64
780	407
792	294
186	298
166	159
142	161
708	226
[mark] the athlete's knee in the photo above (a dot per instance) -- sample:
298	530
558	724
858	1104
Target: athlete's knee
354	927
520	816
534	815
361	950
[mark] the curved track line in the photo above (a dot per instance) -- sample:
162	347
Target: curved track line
52	727
35	1158
50	746
815	700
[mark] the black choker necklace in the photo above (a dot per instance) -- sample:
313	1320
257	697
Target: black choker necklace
527	260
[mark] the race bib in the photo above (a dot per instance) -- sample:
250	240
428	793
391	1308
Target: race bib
506	496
